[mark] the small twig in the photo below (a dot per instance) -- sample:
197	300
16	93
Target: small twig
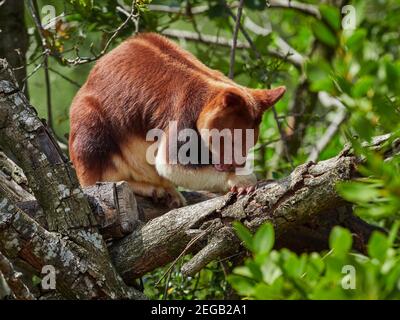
205	38
37	67
78	85
188	246
13	279
264	144
134	18
245	34
165	294
332	129
82	60
234	42
48	92
33	7
283	137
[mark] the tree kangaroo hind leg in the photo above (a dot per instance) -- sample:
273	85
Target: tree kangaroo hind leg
142	176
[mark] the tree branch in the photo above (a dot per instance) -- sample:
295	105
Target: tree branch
13	279
305	8
308	9
333	128
234	39
223	42
307	198
81	274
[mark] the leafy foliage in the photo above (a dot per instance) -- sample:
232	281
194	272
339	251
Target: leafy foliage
337	274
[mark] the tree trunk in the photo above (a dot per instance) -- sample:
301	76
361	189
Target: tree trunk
72	243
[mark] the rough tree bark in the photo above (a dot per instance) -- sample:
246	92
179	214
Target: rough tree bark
72	243
303	207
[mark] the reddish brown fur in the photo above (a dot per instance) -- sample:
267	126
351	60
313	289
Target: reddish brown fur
144	83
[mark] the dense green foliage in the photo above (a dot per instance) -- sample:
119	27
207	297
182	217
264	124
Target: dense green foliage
359	68
337	274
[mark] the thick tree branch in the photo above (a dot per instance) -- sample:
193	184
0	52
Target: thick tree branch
303	199
113	204
80	273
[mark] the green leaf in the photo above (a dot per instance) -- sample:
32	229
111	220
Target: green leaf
392	74
362	86
388	112
340	240
343	84
293	265
36	280
319	73
363	126
243	286
217	11
255	4
378	246
356	41
244	234
262	42
331	15
358	192
83	6
324	34
264	239
270	271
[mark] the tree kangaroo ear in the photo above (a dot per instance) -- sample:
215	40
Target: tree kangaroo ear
266	98
230	99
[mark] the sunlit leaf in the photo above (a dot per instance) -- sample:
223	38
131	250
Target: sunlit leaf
324	34
340	240
244	234
264	239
